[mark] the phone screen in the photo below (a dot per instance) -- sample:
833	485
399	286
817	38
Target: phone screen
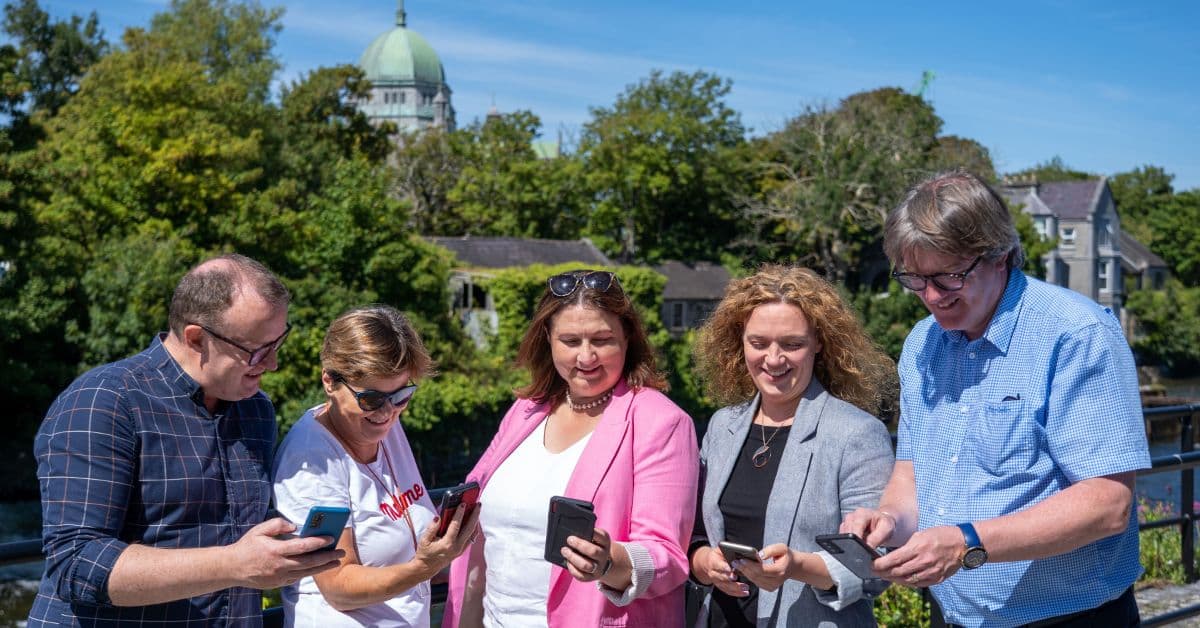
851	551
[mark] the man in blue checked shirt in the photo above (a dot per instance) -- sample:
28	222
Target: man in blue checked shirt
154	470
1020	429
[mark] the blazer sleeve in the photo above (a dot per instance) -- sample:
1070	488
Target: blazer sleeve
665	477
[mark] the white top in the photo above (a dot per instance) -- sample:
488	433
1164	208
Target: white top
515	507
312	468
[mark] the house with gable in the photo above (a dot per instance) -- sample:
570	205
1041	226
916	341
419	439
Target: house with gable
1083	216
480	257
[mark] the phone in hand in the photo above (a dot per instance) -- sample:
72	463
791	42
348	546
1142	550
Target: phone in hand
850	550
568	517
325	521
465	495
734	551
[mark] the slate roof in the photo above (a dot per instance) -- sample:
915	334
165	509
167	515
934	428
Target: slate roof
702	281
1137	254
489	252
1073	200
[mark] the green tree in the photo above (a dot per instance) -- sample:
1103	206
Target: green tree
1138	194
953	151
830	176
1175	229
660	167
43	70
1052	170
1168	327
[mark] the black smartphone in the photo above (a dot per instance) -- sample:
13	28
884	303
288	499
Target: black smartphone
325	521
734	551
465	495
568	517
850	550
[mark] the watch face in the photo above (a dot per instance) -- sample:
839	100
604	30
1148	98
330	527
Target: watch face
974	557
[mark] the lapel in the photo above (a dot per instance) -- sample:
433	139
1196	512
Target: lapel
530	415
720	467
794	467
597	458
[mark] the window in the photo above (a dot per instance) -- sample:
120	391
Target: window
402	98
1104	232
1102	274
1042	225
1067	235
677	314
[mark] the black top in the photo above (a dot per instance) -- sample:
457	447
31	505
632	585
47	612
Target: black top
743	506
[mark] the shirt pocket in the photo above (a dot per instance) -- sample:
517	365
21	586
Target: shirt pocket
1005	438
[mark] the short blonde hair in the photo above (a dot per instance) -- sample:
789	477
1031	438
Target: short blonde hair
953	213
850	366
374	341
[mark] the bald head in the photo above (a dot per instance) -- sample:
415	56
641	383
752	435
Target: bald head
207	291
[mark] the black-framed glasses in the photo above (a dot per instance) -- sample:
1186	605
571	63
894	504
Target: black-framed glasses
256	355
566	284
371	400
950	282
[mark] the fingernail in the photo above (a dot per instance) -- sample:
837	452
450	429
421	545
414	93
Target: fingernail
744	589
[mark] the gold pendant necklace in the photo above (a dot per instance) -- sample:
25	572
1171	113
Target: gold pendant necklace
763	453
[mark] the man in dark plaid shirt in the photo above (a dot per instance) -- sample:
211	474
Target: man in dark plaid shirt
154	470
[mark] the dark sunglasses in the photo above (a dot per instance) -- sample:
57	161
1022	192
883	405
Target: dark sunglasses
256	355
372	400
566	284
950	282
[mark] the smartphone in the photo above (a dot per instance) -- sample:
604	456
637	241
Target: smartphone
568	517
850	550
734	551
466	495
325	521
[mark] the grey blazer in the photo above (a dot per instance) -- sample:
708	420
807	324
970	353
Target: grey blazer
838	458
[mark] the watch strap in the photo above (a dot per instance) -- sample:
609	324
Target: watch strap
969	535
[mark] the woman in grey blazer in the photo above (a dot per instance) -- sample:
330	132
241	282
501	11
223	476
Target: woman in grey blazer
795	453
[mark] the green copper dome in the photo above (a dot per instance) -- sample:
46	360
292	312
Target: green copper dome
401	56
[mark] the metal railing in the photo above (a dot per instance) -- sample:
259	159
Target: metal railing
1185	462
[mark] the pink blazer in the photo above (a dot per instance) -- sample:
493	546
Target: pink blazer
640	470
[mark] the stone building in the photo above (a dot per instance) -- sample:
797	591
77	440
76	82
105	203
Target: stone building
408	84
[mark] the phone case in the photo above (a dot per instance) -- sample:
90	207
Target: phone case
734	551
568	517
851	551
325	521
464	494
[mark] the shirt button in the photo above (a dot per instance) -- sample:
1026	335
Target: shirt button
972	354
941	511
964	409
954	459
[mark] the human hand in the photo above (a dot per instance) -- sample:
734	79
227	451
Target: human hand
434	553
771	569
589	560
710	566
875	527
262	560
929	557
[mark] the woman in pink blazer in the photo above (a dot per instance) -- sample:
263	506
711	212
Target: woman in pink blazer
593	425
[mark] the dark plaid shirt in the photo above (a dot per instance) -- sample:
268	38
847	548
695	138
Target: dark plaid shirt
129	454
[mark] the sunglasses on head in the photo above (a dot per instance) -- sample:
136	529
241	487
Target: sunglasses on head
566	284
372	400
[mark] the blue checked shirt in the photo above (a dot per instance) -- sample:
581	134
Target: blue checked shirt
1047	397
129	454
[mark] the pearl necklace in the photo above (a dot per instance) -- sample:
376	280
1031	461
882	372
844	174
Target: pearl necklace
588	405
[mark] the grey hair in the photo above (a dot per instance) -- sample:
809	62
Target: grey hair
953	213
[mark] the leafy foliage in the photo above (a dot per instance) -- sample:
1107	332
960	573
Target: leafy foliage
660	164
1168	327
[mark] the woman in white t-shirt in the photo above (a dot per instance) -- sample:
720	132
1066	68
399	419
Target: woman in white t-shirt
351	451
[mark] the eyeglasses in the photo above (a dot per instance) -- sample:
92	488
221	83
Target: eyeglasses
566	284
256	355
372	400
946	281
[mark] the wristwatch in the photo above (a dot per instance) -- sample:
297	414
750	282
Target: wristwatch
975	555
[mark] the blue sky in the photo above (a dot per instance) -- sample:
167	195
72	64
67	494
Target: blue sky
1108	86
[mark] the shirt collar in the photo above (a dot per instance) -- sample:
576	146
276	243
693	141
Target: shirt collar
1000	328
174	374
